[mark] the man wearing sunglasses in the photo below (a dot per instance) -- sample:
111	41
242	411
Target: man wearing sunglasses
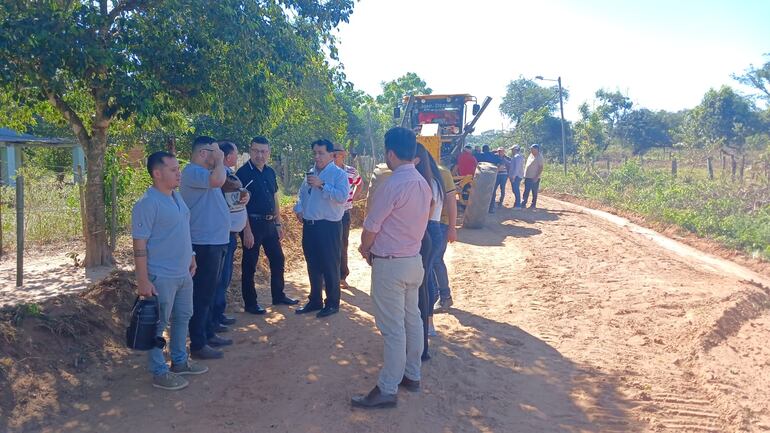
200	186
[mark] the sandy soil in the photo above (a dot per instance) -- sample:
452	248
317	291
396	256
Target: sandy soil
48	272
563	322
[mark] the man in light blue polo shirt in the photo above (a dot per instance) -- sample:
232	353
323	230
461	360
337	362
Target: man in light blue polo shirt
201	185
320	207
164	261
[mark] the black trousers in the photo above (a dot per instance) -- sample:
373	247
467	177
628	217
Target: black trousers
265	236
209	259
322	245
344	270
423	297
530	185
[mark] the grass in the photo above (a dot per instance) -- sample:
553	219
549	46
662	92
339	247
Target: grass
51	210
736	215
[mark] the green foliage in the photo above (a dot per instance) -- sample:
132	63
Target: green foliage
758	78
643	130
393	91
590	134
723	119
737	216
51	208
523	96
538	126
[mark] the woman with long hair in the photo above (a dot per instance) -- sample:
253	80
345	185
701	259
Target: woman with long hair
425	165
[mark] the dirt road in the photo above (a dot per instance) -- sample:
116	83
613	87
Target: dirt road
563	322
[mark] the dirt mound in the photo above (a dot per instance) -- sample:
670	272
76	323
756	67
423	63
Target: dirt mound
47	350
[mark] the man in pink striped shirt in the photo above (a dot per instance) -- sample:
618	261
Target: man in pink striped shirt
390	242
354	181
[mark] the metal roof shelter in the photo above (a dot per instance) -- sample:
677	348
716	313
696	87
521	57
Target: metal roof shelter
13	142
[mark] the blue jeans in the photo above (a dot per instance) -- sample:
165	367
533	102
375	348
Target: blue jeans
438	239
516	186
219	305
175	297
439	266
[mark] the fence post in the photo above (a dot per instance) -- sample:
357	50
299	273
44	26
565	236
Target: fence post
710	165
608	166
743	166
673	167
82	197
285	169
1	209
19	217
733	167
114	216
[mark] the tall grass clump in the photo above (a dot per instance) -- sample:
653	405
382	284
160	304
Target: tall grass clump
733	214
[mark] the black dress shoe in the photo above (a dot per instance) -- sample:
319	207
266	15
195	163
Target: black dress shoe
410	385
227	321
327	311
222	328
255	310
217	341
308	308
206	352
375	399
285	301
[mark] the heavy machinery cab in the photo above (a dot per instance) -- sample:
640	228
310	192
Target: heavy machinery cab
440	121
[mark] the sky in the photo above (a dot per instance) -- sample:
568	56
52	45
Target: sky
664	55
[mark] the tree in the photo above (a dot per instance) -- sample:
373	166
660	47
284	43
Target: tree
612	106
523	95
590	135
723	120
393	91
97	62
758	78
539	126
643	130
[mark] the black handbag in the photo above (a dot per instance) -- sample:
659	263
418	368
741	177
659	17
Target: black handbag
142	331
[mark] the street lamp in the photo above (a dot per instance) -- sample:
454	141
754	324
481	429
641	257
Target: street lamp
561	107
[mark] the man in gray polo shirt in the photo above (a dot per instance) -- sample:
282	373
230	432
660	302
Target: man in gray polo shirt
164	261
210	234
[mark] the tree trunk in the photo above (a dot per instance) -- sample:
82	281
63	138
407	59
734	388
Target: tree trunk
98	252
673	168
710	166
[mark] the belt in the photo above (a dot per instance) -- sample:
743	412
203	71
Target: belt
314	222
375	256
259	217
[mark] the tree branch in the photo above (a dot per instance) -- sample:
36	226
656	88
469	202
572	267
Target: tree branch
124	6
70	116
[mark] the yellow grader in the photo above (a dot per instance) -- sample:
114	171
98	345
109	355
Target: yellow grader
439	122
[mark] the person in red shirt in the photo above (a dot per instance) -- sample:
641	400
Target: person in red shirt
466	162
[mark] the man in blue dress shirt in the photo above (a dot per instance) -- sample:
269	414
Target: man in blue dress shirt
320	207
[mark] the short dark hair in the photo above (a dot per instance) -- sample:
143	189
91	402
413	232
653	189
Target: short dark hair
201	141
227	147
402	142
156	159
485	148
324	143
260	140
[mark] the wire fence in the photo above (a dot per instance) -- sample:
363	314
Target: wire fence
53	200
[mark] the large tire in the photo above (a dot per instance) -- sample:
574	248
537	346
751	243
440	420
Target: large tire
477	208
